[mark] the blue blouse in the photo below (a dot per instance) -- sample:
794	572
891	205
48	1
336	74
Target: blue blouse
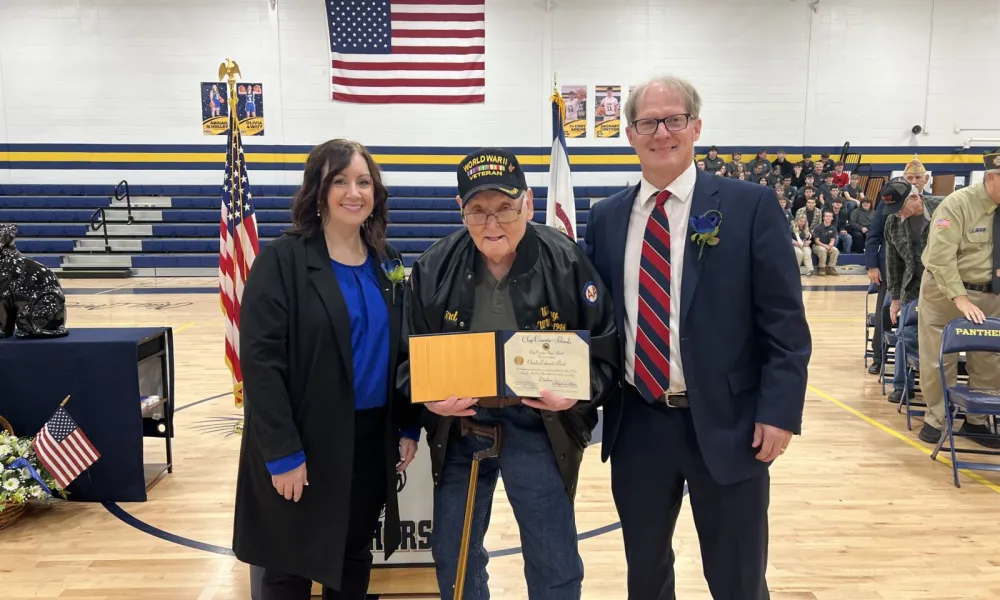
369	346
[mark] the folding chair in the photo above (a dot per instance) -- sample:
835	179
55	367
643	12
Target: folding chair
962	335
870	323
888	346
910	363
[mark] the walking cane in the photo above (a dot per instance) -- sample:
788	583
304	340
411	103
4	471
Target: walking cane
488	431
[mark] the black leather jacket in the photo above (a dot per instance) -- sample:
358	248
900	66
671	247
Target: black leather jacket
548	287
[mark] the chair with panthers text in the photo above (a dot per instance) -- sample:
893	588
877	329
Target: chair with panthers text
962	335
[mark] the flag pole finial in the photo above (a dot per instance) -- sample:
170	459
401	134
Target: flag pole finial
63	403
228	70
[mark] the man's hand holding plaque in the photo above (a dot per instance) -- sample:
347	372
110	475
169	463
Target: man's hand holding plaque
549	401
453	407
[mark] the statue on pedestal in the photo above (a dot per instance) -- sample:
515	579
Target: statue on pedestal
32	302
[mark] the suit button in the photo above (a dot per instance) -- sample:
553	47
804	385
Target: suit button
461	323
513	282
562	457
438	445
468	276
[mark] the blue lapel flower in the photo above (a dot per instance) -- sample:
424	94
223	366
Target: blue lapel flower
395	273
706	229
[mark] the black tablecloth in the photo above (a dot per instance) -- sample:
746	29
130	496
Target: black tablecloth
99	369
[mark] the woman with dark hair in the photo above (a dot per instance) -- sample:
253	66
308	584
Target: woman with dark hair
325	433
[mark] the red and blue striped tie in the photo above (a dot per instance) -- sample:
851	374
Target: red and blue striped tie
652	337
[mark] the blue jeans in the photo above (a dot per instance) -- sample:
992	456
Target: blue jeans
553	568
844	242
906	335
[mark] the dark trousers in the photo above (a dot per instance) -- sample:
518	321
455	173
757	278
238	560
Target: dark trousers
655	453
368	488
880	316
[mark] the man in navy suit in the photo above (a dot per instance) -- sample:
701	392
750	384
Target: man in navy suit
715	351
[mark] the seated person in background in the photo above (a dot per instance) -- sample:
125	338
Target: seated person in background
781	164
852	191
784	208
798	175
712	162
825	187
721	172
826	161
742	176
840	178
735	165
701	165
818	171
801	241
774	177
757	171
860	221
824	246
813	215
762	160
786	182
762	179
905	237
803	198
841	221
807	163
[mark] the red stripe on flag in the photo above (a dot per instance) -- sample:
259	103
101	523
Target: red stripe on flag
450	50
438	17
408	66
409	99
409	82
437	33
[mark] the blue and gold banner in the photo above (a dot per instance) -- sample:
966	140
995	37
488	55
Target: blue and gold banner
575	123
215	108
607	119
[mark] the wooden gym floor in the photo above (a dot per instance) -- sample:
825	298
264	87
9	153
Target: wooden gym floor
858	510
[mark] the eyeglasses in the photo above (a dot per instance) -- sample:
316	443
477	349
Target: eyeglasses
479	219
671	123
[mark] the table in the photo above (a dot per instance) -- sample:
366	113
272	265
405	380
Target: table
105	371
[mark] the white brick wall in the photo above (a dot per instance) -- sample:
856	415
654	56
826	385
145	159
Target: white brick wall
771	72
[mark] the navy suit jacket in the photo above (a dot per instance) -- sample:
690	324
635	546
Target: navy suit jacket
745	343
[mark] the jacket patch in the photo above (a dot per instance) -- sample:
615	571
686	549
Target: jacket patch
590	293
451	316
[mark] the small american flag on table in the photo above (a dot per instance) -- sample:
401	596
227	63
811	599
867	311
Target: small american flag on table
408	51
63	448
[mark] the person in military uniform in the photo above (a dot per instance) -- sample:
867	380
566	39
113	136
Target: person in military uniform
501	272
905	240
961	279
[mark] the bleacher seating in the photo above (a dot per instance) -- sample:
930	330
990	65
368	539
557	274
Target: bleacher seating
176	228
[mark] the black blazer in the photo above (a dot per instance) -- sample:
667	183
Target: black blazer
295	349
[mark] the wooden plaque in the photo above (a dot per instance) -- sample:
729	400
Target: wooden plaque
463	365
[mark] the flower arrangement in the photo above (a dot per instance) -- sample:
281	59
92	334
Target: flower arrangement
395	273
23	478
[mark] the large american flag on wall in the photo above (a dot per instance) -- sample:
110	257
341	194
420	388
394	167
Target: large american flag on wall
408	51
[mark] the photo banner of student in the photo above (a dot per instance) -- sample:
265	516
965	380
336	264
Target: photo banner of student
215	108
415	489
575	124
607	120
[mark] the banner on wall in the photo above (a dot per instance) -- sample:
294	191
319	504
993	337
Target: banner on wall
215	108
607	119
415	488
575	123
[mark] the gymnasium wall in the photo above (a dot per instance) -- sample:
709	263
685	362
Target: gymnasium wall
95	90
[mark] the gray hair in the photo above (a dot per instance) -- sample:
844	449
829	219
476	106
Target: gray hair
684	89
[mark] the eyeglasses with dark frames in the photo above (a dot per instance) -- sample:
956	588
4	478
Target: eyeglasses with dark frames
671	123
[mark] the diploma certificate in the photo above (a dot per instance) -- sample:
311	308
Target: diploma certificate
542	360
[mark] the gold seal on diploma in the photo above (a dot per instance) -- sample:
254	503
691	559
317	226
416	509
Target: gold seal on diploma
505	363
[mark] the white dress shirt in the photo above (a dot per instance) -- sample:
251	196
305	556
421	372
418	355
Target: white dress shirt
678	209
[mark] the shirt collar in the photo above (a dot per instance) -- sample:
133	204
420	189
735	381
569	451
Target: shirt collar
680	188
988	202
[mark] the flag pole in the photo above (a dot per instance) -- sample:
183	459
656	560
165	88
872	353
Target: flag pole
63	403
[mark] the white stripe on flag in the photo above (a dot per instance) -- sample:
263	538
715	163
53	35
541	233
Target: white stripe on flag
409	74
403	24
437	8
424	42
409	58
407	90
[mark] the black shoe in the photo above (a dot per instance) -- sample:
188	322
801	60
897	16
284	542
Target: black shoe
989	442
874	369
929	434
897	395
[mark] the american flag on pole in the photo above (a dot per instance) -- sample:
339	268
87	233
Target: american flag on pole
63	448
408	51
238	246
560	207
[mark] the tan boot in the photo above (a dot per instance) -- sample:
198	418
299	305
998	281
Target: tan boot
832	271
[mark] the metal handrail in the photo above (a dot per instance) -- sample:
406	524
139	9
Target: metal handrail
94	226
122	193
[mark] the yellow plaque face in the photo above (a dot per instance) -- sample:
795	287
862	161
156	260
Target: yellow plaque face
463	365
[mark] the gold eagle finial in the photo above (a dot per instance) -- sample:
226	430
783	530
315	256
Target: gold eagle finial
228	69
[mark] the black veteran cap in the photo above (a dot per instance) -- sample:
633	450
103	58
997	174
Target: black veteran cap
992	161
896	191
490	169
